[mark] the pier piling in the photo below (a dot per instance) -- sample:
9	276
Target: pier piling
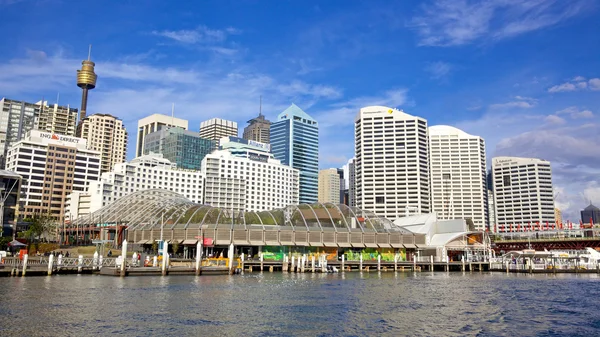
50	264
25	258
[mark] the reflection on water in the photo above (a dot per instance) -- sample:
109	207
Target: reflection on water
395	304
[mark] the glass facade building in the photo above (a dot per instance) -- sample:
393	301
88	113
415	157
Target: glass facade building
295	141
183	147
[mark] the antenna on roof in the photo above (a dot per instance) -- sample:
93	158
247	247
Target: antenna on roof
260	106
90	52
57	97
172	114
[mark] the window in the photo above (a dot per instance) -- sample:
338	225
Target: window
380	200
506	180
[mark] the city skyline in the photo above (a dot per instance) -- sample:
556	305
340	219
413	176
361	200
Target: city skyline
507	83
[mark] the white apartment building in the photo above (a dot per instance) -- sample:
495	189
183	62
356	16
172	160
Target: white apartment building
392	162
458	175
329	186
57	119
217	128
52	166
523	191
106	134
142	173
253	181
155	123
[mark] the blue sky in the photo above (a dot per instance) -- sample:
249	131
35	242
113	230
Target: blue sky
523	74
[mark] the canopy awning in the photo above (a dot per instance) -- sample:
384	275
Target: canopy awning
190	242
142	242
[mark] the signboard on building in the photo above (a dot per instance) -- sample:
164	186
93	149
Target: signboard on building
52	138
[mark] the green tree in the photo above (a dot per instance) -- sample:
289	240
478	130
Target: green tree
175	247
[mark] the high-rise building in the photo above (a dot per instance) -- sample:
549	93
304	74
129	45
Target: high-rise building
182	147
329	186
251	181
142	173
591	212
523	191
52	166
10	188
458	175
217	128
61	120
557	216
351	182
392	162
295	141
155	123
106	134
86	80
258	129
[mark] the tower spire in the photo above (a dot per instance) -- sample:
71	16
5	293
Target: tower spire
86	80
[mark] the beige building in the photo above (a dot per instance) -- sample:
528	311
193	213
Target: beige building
106	134
258	129
155	123
329	186
217	128
557	215
52	166
57	119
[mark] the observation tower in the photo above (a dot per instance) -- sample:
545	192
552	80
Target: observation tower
86	80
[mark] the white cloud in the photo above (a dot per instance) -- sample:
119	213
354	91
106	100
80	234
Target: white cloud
554	119
519	102
459	22
438	69
577	83
575	112
202	34
563	87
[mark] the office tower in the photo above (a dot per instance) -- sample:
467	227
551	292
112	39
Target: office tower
392	162
217	128
142	173
522	191
295	141
52	166
558	216
57	119
106	134
246	177
258	129
182	147
155	123
86	80
10	189
351	182
343	191
329	186
245	148
591	212
16	118
458	175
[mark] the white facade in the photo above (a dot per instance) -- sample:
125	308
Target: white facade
155	123
458	175
52	166
241	183
329	186
392	162
523	191
107	134
142	173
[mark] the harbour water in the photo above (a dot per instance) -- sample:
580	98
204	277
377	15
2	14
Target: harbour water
276	304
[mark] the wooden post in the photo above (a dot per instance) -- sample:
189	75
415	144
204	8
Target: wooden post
313	263
124	260
95	261
378	262
361	263
165	257
343	260
199	257
261	261
396	262
431	262
304	257
25	258
80	264
293	260
50	264
230	258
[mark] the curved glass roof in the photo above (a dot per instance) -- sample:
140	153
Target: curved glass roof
149	209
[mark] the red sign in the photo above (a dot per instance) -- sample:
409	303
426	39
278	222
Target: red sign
205	241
